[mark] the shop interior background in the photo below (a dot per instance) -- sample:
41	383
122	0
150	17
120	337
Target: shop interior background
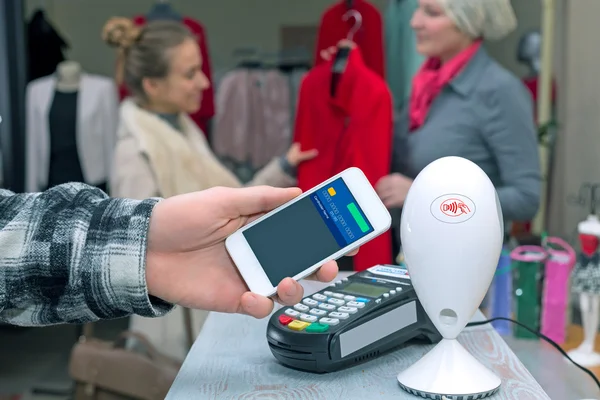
269	25
230	25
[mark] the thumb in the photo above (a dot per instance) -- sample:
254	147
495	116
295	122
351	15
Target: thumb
255	199
307	155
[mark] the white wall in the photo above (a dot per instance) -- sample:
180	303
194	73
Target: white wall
230	24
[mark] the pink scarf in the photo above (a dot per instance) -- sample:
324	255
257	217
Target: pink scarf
429	81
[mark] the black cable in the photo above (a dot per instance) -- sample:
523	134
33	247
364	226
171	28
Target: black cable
542	336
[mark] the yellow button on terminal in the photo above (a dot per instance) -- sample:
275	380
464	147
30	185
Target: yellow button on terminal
298	325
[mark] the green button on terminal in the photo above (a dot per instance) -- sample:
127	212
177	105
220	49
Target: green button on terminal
317	328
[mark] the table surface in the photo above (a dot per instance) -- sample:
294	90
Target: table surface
231	359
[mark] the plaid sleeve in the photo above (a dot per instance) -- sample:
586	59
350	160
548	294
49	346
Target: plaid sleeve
72	255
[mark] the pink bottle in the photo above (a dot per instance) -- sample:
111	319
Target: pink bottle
555	297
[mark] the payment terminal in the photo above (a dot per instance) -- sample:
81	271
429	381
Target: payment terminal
351	321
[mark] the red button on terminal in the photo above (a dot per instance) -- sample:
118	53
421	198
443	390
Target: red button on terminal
284	319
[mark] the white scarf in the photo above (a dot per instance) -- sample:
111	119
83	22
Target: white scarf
182	162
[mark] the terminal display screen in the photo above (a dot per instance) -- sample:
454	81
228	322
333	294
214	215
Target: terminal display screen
364	289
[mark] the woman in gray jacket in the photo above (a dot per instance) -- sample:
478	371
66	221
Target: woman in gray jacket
463	103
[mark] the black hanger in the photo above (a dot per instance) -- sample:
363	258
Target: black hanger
287	66
341	56
162	11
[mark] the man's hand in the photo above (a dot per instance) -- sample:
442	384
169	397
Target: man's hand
187	262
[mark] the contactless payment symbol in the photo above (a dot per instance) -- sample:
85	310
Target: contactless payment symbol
331	191
452	208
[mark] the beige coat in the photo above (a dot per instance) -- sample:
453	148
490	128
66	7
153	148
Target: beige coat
154	159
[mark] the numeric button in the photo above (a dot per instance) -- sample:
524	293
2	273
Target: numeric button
329	321
336	302
310	302
308	318
292	313
355	304
317	312
319	297
337	315
328	307
301	307
349	310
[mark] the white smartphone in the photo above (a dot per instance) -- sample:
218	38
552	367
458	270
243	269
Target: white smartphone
295	239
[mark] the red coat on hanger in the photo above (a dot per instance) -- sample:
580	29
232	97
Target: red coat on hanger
352	129
369	37
207	107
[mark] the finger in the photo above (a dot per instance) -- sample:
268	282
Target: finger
307	155
389	202
325	55
381	186
253	200
289	292
255	305
326	273
352	253
384	184
385	193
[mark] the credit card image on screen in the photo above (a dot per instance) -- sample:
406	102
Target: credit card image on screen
309	230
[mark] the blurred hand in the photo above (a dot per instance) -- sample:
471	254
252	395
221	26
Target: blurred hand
295	156
392	189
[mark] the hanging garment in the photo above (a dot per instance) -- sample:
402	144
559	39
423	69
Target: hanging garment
402	59
50	130
369	37
45	47
207	106
252	124
354	129
295	79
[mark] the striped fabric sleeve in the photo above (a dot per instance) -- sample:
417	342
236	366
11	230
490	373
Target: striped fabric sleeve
71	254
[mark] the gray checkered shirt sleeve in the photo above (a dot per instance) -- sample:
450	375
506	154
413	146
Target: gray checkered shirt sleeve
72	255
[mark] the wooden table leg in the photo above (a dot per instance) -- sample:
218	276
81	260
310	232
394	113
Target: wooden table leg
187	324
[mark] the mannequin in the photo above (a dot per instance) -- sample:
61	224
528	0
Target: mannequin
65	165
586	282
68	76
71	128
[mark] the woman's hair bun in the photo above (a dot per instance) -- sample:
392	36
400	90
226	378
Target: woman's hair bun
120	32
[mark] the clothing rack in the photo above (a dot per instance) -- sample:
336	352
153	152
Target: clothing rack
287	59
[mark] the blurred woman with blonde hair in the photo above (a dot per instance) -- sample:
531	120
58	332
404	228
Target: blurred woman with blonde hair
160	151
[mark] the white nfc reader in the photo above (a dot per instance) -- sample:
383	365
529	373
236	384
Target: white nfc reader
351	321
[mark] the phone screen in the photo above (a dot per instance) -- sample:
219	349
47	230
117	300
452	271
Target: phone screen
309	230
